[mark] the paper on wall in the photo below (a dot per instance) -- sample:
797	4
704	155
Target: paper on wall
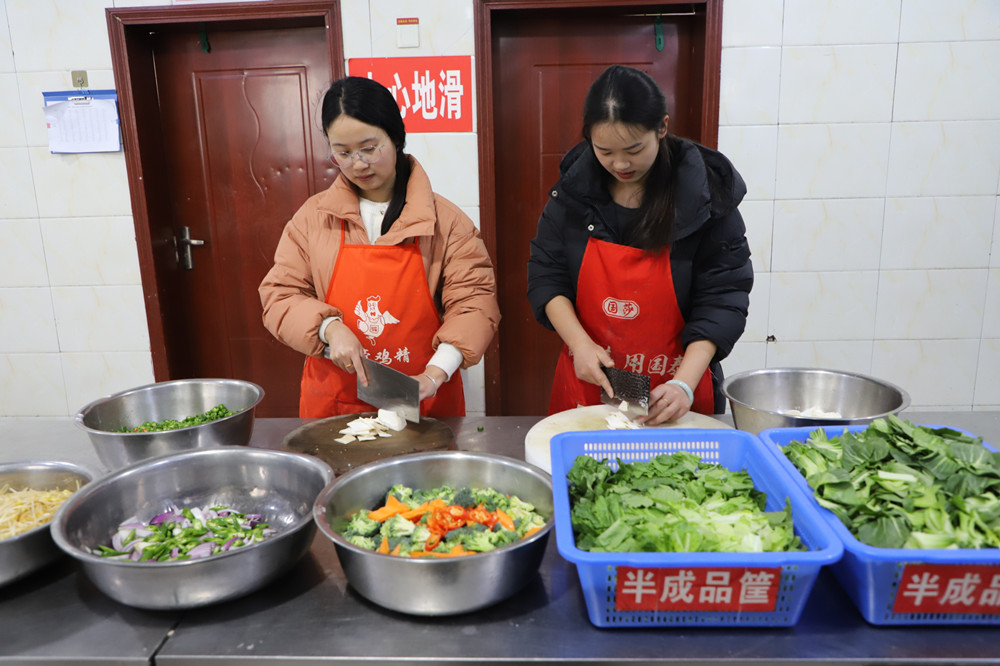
83	124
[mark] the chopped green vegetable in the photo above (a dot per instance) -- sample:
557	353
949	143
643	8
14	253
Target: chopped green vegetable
899	485
673	503
214	414
185	534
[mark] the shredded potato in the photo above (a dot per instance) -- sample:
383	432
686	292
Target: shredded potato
22	510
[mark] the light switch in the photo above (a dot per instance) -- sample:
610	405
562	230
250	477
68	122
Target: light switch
407	33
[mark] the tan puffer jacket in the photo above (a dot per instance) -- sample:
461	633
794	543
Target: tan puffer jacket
459	270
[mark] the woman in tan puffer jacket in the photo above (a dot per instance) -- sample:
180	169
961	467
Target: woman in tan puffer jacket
380	267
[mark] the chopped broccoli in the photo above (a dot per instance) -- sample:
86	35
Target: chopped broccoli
402	493
490	499
465	498
362	541
479	542
397	526
362	525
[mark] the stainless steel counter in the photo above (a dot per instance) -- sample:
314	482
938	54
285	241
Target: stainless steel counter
312	615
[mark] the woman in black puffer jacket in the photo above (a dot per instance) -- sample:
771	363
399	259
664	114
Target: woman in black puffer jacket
641	259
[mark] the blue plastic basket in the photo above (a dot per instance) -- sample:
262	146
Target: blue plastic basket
872	576
734	449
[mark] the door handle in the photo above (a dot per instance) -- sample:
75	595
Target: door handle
182	248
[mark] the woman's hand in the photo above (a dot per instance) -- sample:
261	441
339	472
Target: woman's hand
344	349
430	380
588	356
588	359
667	402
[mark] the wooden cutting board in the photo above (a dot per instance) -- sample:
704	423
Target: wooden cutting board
592	417
319	439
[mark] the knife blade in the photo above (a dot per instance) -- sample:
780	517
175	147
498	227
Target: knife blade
390	389
629	387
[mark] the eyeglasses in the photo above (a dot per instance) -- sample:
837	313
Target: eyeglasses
368	155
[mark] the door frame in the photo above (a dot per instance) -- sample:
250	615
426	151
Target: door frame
483	13
139	119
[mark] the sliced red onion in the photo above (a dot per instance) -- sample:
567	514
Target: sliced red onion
201	550
174	552
229	544
136	554
118	540
163	517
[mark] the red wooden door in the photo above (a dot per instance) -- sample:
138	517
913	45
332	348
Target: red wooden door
243	149
543	63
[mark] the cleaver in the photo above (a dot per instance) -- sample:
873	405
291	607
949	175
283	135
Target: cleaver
629	387
390	389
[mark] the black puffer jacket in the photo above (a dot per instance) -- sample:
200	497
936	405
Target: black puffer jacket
709	254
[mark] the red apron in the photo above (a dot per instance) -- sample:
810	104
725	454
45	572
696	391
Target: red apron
383	293
625	301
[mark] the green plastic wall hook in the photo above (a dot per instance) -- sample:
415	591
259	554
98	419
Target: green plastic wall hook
658	32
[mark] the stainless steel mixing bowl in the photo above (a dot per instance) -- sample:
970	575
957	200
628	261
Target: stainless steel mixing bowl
427	586
29	551
281	486
177	400
760	399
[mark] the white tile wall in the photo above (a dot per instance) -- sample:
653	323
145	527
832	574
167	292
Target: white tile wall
920	232
91	251
930	304
751	23
988	383
446	27
827	234
452	162
22	257
991	315
868	132
823	306
93	375
11	124
17	188
31	327
100	318
827	161
6	51
841	21
834	84
32	385
934	372
847	355
934	81
930	20
87	184
944	158
749	86
753	150
57	35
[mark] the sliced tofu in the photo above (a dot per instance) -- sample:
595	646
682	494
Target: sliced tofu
391	420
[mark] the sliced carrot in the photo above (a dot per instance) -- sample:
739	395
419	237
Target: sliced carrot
531	531
383	514
383	547
505	521
395	551
391	508
416	512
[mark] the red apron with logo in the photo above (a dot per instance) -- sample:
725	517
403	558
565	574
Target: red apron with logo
625	301
383	293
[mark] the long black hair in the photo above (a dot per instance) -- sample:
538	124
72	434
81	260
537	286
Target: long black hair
373	104
629	96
